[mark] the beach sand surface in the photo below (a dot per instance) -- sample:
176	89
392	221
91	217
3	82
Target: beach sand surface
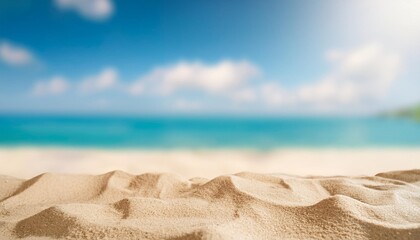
245	205
26	162
119	205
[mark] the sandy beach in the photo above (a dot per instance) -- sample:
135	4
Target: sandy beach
118	205
274	196
199	120
26	162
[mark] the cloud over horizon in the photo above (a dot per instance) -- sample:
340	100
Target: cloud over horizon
89	9
15	55
215	78
102	81
55	86
357	76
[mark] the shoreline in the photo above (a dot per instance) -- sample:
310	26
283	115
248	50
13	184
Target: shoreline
166	149
28	161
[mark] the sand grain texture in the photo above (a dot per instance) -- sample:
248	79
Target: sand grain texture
118	205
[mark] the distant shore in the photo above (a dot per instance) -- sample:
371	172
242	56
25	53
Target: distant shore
24	162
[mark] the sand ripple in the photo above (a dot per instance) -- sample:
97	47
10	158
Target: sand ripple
118	205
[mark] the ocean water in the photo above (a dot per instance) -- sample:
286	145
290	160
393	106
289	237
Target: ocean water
194	132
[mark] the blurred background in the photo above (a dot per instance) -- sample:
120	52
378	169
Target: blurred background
155	75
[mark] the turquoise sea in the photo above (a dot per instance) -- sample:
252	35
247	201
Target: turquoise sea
213	132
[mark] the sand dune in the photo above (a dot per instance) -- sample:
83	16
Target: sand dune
118	205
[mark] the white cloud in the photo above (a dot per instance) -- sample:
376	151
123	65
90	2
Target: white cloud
91	9
55	86
15	55
104	80
357	77
212	78
361	75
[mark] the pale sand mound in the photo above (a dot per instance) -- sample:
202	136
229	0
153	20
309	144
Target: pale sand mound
118	205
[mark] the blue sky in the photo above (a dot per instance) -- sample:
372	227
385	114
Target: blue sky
208	57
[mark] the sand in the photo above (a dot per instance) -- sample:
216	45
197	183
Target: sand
141	204
119	205
26	162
